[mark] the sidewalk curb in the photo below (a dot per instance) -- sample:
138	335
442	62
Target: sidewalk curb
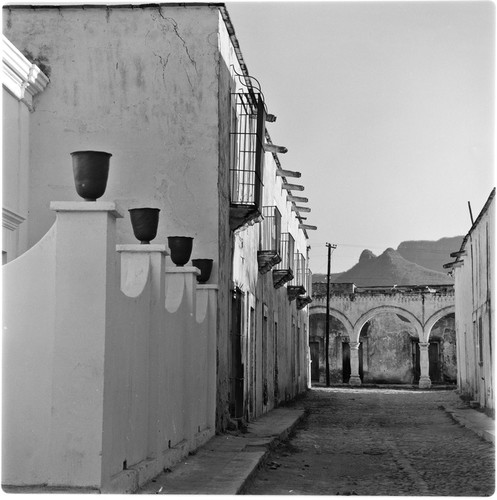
269	446
477	428
227	463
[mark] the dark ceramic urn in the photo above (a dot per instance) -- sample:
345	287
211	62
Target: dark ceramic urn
205	266
144	222
181	249
91	171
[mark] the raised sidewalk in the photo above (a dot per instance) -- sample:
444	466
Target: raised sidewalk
224	464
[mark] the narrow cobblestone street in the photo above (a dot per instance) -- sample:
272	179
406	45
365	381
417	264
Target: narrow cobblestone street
378	442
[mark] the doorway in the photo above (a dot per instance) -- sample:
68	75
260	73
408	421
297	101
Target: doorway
237	378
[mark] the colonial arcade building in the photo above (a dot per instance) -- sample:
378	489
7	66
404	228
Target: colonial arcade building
399	335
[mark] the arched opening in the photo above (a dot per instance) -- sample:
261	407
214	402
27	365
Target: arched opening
388	341
339	333
442	351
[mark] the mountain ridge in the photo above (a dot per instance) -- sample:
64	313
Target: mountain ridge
393	268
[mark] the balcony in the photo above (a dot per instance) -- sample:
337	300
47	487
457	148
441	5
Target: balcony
297	286
283	271
305	299
269	253
247	158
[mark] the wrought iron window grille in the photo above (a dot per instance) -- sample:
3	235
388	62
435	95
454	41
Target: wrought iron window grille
303	300
270	236
297	286
247	156
283	271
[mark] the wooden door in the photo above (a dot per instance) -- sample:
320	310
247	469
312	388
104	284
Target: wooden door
237	378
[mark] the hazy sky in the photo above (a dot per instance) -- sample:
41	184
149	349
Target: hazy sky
386	108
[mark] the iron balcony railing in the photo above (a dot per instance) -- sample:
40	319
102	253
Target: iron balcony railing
303	300
270	230
296	286
287	252
283	271
299	277
270	235
308	287
247	149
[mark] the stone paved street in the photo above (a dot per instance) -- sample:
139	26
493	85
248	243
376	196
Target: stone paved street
378	442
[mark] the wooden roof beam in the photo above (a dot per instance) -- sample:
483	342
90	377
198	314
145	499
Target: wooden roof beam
287	173
273	148
295	208
300	199
293	187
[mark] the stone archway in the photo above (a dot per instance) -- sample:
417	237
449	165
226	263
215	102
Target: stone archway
412	304
430	323
340	331
441	335
388	341
400	311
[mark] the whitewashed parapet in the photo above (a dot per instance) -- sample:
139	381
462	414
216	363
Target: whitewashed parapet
104	386
181	286
28	338
206	376
136	262
21	78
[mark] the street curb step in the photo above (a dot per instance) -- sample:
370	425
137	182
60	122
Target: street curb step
226	463
479	423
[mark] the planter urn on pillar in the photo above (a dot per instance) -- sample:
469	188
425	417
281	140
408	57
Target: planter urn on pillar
91	171
144	222
181	249
205	266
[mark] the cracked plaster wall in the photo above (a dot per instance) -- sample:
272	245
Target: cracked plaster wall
139	83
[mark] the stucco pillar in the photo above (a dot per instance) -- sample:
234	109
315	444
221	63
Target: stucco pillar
207	312
354	364
85	257
424	379
140	263
181	303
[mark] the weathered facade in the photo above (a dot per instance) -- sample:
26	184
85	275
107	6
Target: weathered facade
22	81
165	89
401	335
474	272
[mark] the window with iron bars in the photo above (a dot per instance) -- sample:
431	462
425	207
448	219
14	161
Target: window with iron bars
299	277
270	230
247	149
270	235
308	286
303	300
287	252
283	271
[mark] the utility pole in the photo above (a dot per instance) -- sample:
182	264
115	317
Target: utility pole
327	338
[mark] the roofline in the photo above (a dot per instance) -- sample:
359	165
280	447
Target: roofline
477	221
143	5
449	265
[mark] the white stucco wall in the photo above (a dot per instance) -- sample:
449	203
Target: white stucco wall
141	84
111	377
27	357
474	286
21	82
